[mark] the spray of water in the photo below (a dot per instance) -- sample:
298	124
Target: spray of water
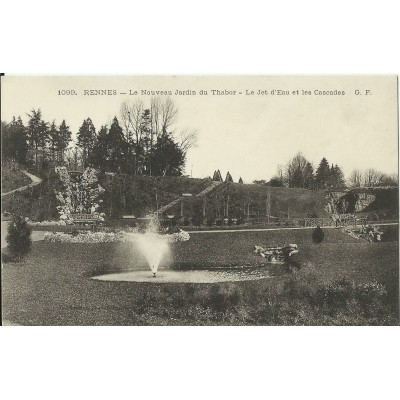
153	246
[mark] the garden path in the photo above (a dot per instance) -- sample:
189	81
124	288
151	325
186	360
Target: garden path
276	229
35	181
4	224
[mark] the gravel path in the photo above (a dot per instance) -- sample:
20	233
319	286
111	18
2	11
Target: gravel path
279	228
35	181
4	224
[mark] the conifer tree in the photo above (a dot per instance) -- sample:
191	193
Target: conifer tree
86	139
64	139
228	177
19	237
117	147
322	174
37	133
14	141
217	176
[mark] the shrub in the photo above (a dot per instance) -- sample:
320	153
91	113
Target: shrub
210	221
197	220
240	221
335	295
371	297
223	297
75	232
318	235
185	221
311	214
373	217
19	237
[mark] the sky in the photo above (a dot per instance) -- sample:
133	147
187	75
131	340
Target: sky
247	134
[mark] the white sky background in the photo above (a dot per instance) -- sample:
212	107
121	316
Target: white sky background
247	135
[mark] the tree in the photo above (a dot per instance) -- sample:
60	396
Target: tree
143	127
163	115
14	140
86	139
53	140
144	146
73	158
217	176
371	178
37	134
356	178
280	174
322	174
337	177
99	157
295	170
167	158
308	176
187	140
228	177
275	182
240	181
64	139
131	114
389	180
19	237
117	148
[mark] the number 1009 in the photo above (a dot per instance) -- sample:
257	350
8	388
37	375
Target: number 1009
67	92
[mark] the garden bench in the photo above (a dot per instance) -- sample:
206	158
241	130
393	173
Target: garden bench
85	219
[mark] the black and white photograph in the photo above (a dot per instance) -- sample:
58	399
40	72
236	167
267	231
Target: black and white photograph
199	200
238	200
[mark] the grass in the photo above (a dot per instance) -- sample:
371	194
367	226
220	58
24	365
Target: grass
12	179
52	286
285	202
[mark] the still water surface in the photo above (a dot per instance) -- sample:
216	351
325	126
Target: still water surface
232	274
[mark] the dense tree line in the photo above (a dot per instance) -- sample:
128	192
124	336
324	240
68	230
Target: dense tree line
372	178
300	173
38	144
143	143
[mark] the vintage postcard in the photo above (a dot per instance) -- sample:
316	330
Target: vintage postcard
199	200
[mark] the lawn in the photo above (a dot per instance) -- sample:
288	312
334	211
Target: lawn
52	286
13	179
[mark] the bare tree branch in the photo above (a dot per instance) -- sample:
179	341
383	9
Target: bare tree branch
188	139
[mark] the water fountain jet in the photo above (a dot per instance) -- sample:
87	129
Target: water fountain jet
153	246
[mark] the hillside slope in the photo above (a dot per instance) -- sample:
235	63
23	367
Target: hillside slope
141	195
251	201
12	179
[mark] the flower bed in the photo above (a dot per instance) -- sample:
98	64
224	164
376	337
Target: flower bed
181	236
85	237
47	223
106	237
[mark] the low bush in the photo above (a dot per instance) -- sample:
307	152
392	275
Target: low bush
222	297
19	237
334	295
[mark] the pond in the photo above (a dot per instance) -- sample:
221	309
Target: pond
231	274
